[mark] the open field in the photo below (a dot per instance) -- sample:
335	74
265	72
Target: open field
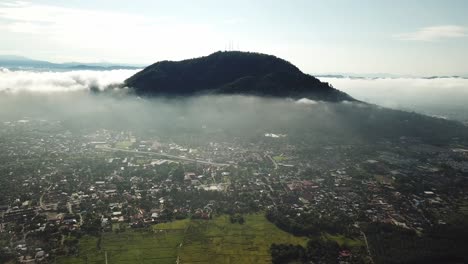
123	144
219	241
344	241
280	158
190	241
129	247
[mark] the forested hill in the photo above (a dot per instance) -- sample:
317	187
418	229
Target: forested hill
232	72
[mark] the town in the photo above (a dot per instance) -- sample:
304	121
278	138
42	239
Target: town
56	182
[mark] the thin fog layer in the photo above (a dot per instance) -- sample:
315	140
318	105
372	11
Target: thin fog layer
229	117
443	97
223	118
123	108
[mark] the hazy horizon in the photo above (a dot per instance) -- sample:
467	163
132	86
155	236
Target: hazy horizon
428	38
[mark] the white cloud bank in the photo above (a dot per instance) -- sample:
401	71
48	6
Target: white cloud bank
306	101
441	96
435	33
46	82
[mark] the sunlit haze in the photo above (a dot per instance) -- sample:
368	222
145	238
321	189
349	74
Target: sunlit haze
366	36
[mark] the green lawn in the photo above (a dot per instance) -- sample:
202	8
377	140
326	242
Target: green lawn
344	241
179	224
123	144
193	241
219	241
129	247
279	158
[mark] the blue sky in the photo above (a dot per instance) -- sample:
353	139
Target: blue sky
425	37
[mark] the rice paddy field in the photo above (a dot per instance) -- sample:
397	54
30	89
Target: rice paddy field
187	241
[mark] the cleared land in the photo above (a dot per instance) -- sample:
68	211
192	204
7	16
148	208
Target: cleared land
123	144
344	241
280	158
188	241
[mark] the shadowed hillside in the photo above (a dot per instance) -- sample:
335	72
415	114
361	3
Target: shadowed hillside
232	72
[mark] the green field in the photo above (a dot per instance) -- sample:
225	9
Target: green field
123	144
344	241
279	158
190	241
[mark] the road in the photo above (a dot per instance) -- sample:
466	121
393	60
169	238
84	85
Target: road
272	191
69	207
41	202
166	156
367	246
273	161
213	177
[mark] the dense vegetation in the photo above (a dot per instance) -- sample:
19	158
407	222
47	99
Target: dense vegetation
232	73
310	223
391	244
317	251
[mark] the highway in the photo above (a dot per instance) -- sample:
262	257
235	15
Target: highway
166	156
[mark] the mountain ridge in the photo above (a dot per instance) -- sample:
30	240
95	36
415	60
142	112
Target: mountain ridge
15	62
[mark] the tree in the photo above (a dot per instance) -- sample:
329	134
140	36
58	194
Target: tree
178	173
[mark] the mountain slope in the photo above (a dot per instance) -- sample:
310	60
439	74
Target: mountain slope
232	72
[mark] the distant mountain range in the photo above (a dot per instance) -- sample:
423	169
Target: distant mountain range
22	63
232	72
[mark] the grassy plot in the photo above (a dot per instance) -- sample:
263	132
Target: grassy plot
193	241
179	224
279	158
219	241
344	241
129	247
123	144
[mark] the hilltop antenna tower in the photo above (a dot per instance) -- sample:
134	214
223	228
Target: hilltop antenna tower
230	46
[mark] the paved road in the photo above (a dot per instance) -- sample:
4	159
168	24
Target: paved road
367	246
69	206
41	199
166	155
273	161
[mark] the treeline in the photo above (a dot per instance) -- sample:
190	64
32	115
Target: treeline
316	251
310	223
283	253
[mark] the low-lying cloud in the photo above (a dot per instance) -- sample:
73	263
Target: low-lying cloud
46	82
445	97
67	102
434	33
306	101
